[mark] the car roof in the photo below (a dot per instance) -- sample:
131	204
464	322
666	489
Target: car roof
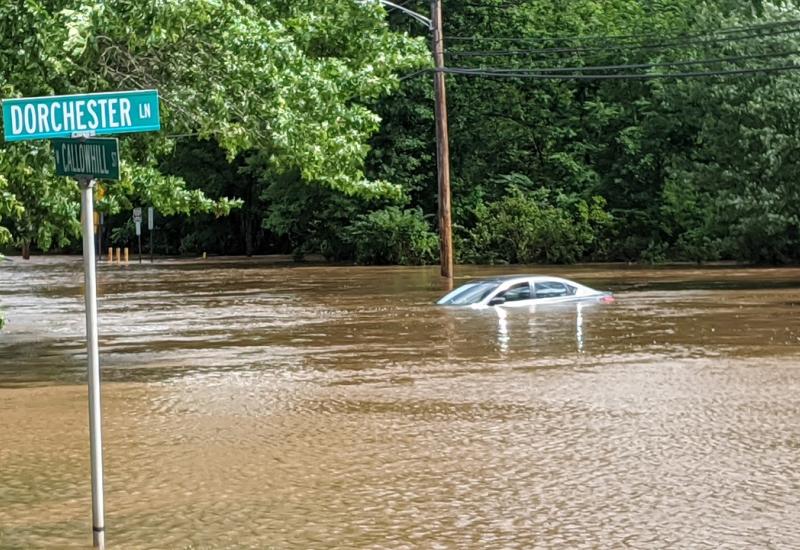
505	278
532	278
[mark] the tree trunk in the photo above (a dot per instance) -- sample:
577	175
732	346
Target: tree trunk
248	234
26	250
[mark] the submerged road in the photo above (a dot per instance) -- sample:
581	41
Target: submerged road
248	404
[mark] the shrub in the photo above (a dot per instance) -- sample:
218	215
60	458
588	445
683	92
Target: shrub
393	236
529	227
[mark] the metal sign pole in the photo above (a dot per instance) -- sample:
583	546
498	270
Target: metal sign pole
150	215
100	236
93	364
137	220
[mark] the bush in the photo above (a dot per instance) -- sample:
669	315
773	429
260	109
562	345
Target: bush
393	236
530	227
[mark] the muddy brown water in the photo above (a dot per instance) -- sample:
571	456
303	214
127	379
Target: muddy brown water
254	405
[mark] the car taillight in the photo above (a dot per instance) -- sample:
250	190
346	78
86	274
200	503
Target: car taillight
607	299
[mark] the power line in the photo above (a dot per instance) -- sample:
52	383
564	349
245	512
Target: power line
543	71
639	36
615	47
500	5
501	73
412	75
683	63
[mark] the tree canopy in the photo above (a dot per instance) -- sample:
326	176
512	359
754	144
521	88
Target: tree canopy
644	130
291	80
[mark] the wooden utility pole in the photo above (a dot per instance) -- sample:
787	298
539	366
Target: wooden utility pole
442	146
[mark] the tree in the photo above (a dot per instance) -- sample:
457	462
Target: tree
689	168
288	77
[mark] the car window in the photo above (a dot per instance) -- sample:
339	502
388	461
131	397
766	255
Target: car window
520	291
552	289
469	294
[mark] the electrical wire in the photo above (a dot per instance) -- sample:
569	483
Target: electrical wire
499	6
615	47
683	63
643	76
637	37
412	75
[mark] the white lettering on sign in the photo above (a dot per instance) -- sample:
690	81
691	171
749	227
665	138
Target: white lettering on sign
102	103
90	105
42	111
79	115
73	115
125	111
30	118
83	158
16	119
69	116
112	113
54	117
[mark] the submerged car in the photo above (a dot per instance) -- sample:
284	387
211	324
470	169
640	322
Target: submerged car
520	291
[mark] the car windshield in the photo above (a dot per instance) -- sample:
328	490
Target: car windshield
469	294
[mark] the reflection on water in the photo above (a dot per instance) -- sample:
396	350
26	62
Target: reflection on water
538	319
253	405
502	328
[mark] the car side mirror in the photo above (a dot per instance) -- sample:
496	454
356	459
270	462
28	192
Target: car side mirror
496	301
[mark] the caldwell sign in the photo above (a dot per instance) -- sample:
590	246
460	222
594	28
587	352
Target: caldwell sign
86	114
91	158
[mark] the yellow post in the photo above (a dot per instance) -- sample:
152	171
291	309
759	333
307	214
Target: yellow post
119	255
110	254
204	255
126	255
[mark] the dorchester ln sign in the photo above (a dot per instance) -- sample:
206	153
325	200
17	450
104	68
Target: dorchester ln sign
85	114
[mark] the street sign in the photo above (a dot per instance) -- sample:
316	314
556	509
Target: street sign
85	114
90	158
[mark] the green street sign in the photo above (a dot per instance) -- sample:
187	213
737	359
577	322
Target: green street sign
80	115
87	158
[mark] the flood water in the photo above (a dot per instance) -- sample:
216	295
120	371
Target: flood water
254	405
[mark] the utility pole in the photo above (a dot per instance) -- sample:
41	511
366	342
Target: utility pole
442	145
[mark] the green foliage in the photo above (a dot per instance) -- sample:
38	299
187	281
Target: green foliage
538	226
10	207
287	75
289	79
124	234
294	110
393	236
2	316
37	206
312	219
691	169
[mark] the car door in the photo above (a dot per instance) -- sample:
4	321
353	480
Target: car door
516	295
552	291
